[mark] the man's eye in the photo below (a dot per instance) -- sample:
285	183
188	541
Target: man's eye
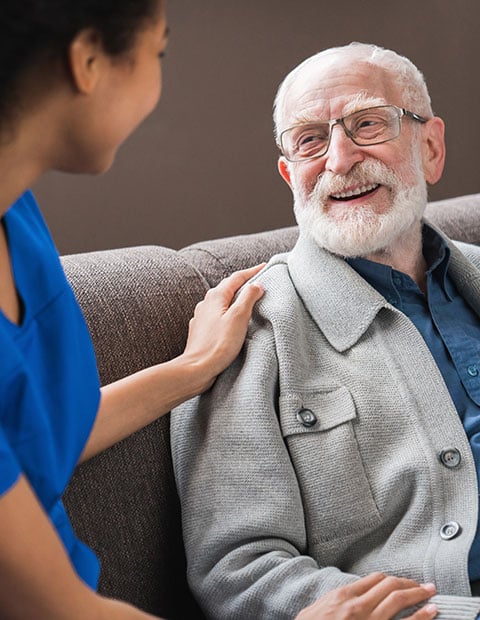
369	127
312	138
308	139
367	123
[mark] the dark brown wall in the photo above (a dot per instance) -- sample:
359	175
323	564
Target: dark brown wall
204	164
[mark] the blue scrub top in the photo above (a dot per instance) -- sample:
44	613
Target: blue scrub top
49	385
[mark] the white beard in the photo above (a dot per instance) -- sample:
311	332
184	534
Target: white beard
360	231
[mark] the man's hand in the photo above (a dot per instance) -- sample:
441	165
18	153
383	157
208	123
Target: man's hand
375	597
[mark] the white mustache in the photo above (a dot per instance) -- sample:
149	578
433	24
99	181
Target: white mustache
363	174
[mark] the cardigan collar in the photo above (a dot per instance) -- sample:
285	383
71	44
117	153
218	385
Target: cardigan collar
339	300
342	303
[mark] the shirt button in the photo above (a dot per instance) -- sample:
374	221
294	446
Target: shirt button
450	457
397	280
472	370
450	530
306	417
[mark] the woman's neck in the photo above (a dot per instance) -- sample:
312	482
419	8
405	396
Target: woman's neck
21	164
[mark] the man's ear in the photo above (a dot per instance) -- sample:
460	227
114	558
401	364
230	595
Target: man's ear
433	149
85	56
284	171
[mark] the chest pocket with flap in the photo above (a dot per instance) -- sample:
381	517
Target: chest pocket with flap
318	428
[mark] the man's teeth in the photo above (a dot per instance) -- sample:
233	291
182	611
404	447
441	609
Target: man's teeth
356	192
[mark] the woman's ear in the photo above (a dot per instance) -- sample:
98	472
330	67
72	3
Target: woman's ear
85	56
433	149
284	171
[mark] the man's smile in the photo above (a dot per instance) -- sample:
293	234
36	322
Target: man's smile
358	192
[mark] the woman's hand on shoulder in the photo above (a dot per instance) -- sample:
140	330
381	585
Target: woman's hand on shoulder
374	597
219	324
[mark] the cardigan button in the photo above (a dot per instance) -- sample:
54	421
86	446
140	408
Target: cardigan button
450	530
450	457
306	417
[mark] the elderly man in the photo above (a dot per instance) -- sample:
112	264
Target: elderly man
345	438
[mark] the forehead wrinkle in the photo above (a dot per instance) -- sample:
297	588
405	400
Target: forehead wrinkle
305	108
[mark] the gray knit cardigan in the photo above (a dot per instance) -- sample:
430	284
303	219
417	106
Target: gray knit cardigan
315	457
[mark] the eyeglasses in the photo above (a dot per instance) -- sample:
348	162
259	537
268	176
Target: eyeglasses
364	127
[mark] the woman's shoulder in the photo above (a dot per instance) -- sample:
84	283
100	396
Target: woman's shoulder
25	214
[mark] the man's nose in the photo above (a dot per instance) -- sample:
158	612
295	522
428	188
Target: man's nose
342	152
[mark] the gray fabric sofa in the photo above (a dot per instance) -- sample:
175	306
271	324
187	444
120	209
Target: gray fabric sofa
137	303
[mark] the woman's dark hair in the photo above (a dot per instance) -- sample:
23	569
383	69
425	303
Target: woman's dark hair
32	30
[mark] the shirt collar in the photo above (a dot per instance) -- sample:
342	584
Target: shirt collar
342	303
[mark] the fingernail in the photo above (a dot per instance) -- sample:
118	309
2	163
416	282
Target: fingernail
430	587
430	608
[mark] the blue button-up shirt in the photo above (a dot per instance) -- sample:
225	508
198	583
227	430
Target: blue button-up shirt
451	330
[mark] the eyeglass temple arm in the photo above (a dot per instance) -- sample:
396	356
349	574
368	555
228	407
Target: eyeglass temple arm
415	117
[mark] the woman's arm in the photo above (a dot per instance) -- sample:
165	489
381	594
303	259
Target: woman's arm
216	334
37	579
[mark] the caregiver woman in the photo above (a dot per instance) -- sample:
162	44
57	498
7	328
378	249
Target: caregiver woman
76	78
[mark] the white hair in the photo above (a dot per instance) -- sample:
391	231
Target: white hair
404	72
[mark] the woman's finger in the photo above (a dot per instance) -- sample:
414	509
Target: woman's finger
425	613
232	283
400	598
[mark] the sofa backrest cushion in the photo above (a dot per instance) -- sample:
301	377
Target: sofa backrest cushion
458	217
123	503
217	258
